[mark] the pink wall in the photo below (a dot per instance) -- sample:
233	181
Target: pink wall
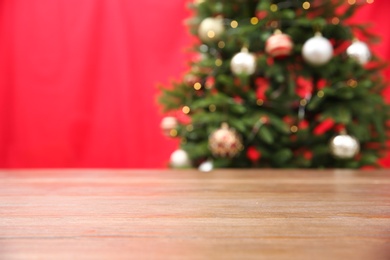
78	79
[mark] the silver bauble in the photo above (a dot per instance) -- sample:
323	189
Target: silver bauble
317	50
211	29
359	51
344	146
243	63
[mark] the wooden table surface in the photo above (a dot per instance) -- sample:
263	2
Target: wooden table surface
168	214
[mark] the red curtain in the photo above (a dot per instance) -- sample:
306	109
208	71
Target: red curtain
78	79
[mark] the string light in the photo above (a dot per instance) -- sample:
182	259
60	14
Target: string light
197	86
197	2
212	108
352	83
370	1
186	109
221	44
259	102
254	20
351	2
335	20
211	34
306	5
173	133
274	24
294	129
303	102
218	62
273	8
190	128
320	94
234	24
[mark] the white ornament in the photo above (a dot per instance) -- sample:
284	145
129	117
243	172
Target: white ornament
206	166
243	63
344	146
180	159
359	51
211	29
317	50
167	124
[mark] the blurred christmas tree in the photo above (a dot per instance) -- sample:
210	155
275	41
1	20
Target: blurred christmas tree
281	84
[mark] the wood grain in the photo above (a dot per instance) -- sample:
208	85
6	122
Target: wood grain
225	214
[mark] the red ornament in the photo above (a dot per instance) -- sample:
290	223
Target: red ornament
308	155
253	154
182	118
303	125
210	82
288	120
279	45
323	126
261	14
340	128
304	87
238	100
262	85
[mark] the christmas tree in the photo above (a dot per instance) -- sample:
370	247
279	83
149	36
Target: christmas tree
278	84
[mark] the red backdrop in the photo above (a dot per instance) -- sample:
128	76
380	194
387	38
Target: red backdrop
78	79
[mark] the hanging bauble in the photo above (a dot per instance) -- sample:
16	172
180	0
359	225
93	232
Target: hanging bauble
317	50
279	45
344	146
359	51
206	166
225	142
168	124
211	29
180	159
243	63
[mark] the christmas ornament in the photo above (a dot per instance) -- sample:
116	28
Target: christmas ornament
344	146
206	166
225	142
180	159
243	62
167	124
279	45
211	29
359	51
317	50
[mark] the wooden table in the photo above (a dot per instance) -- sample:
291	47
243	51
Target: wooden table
225	214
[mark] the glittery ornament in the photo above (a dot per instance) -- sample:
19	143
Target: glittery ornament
344	146
225	142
